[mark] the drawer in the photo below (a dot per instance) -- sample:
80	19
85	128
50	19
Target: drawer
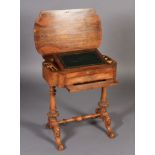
91	85
88	78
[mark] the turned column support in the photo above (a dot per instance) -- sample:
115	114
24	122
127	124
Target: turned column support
101	112
104	115
52	119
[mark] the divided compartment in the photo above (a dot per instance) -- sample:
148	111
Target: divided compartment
78	78
60	36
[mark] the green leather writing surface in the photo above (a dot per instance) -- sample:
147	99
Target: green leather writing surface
80	59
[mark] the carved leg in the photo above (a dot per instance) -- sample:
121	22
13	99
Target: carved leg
52	119
102	109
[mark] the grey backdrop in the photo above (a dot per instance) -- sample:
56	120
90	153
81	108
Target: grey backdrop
85	137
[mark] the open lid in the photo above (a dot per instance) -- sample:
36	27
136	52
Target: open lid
57	31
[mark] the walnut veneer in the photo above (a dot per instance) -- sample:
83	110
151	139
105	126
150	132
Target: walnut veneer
77	31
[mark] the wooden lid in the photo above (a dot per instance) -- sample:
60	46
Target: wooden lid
57	31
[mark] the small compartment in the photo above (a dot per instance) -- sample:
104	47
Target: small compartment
68	69
80	59
51	63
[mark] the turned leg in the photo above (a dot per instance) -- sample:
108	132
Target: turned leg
52	119
104	115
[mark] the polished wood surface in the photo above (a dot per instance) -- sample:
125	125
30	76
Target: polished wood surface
104	115
67	30
78	30
68	78
79	118
52	119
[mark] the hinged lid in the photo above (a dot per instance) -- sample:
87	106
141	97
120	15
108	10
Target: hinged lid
57	31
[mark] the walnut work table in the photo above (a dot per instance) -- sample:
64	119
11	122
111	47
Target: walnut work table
68	41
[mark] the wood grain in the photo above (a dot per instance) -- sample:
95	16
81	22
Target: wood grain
67	30
68	77
91	85
52	119
60	31
102	109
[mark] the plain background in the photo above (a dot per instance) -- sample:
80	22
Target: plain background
85	137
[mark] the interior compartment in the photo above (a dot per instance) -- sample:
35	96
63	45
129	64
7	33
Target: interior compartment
80	59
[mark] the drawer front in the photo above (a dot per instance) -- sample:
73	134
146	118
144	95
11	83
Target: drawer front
89	72
91	85
89	78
